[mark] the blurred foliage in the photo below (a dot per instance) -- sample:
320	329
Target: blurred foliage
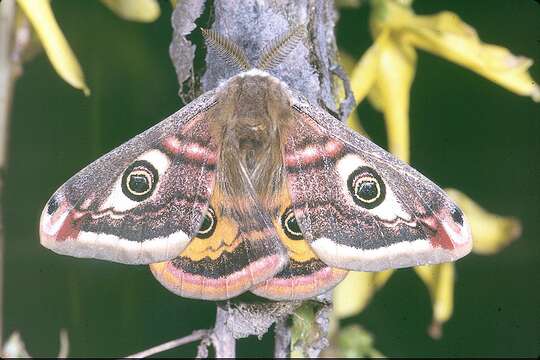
62	58
303	330
353	341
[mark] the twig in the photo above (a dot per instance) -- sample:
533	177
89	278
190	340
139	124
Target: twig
202	349
324	50
195	336
234	321
222	338
347	105
182	51
322	319
64	345
282	342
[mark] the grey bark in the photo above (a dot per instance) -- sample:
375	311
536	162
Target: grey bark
222	338
322	321
182	51
282	342
252	24
244	319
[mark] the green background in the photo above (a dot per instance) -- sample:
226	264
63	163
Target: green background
467	133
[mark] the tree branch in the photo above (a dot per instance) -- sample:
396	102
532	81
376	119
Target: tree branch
195	336
222	338
348	104
282	342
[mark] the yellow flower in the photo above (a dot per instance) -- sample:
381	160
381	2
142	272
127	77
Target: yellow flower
386	71
384	75
57	48
490	232
62	58
363	285
440	282
134	10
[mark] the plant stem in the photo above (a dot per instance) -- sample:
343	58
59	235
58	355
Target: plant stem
194	336
222	338
7	17
282	342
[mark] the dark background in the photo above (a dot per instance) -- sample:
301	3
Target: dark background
467	133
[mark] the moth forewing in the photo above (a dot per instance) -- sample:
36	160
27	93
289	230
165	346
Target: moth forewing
361	208
122	206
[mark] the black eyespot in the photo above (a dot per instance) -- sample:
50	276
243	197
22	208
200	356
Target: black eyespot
457	215
290	225
208	225
139	180
52	206
366	187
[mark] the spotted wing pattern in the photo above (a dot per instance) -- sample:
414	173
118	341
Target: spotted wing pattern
232	252
362	209
131	205
305	275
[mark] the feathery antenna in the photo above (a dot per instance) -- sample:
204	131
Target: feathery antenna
226	49
274	53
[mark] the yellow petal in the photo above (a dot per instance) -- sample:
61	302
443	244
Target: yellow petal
353	294
65	63
380	278
134	10
446	35
389	15
440	281
364	73
490	232
391	93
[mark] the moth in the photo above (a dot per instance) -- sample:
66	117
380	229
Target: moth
252	188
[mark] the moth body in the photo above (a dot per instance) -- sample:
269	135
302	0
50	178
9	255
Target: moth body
252	114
